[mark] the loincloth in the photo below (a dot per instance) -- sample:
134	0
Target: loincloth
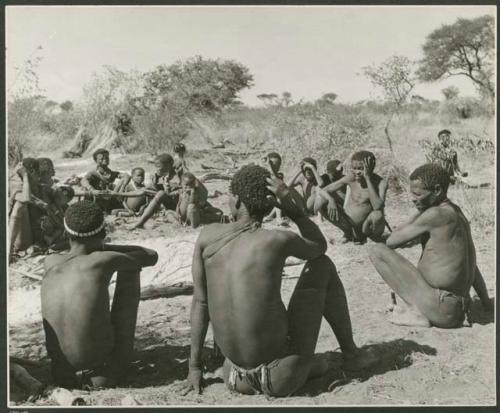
257	378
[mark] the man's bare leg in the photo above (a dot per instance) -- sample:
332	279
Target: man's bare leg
193	215
149	211
480	288
407	282
374	225
123	319
20	233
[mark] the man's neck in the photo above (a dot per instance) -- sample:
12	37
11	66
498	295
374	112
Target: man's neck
80	248
103	169
244	218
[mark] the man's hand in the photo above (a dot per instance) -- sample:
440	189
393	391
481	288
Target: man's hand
194	382
333	211
368	167
283	199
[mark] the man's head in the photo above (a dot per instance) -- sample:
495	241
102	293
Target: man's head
101	157
180	148
164	163
137	175
358	161
249	189
84	222
32	166
428	185
188	180
63	195
46	167
444	137
334	169
274	160
309	175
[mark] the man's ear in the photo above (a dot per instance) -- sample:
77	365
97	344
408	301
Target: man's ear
438	189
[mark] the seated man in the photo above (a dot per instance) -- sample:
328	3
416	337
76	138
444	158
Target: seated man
52	223
134	195
237	270
47	180
308	179
25	207
273	160
437	290
81	332
333	173
167	194
363	215
101	182
193	207
180	165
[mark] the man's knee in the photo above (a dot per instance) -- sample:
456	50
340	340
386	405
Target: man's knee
378	252
318	272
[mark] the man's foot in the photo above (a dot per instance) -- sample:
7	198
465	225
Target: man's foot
410	318
359	359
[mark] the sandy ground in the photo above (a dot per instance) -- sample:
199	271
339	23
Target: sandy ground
417	365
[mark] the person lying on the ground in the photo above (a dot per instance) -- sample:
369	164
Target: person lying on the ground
167	192
101	182
307	177
52	223
193	208
273	161
87	343
135	195
436	291
237	270
363	214
25	207
444	155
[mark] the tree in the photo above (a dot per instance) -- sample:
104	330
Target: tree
395	77
464	48
66	105
268	98
450	92
329	97
286	99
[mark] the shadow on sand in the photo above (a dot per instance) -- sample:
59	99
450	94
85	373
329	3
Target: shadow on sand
393	355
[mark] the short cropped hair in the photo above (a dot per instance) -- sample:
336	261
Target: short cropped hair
332	165
99	152
45	165
165	158
444	131
137	168
82	218
312	161
431	174
250	185
362	155
188	176
274	155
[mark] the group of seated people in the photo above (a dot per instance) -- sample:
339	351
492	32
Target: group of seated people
237	270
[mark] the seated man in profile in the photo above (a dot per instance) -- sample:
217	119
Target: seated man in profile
362	215
101	182
83	337
309	180
237	270
436	291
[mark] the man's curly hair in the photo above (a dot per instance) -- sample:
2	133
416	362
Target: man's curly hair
274	155
84	217
310	160
137	168
31	165
431	174
99	152
165	159
332	166
362	155
250	185
45	165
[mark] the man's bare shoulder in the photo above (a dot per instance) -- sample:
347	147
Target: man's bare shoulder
436	216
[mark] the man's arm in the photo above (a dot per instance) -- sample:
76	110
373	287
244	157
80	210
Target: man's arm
295	180
145	257
312	243
24	195
376	194
333	187
199	317
482	292
319	179
85	182
422	224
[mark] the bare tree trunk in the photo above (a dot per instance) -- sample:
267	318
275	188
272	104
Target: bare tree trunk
386	130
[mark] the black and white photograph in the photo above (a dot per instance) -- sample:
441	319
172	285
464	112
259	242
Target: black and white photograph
249	205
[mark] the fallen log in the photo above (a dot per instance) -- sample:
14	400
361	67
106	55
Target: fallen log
165	291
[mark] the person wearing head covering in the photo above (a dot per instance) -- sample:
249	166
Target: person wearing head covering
86	341
237	272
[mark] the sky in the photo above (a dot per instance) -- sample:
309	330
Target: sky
307	51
